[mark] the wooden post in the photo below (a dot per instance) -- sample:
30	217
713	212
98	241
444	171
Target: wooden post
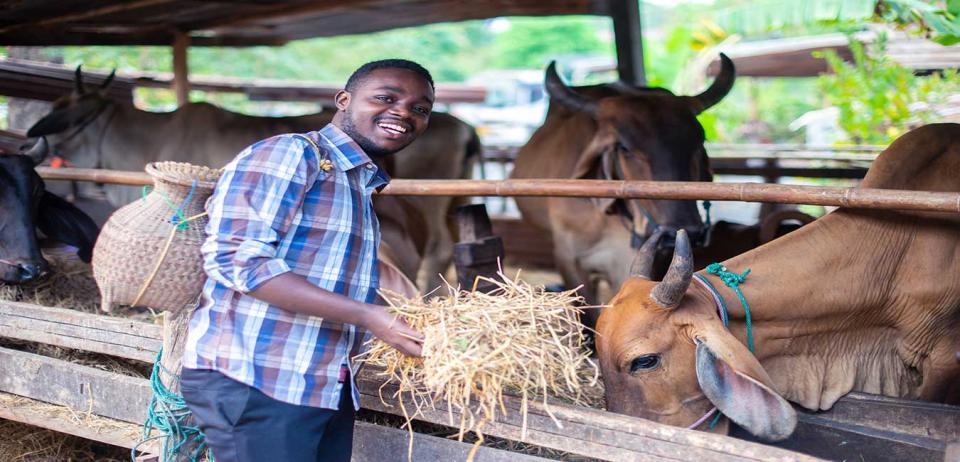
181	83
479	252
626	30
174	341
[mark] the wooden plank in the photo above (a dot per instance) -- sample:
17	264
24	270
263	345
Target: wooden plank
593	433
952	453
839	441
65	420
78	387
918	418
378	443
82	331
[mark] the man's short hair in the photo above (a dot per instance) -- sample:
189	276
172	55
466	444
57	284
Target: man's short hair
362	72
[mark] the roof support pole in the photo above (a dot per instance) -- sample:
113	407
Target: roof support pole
627	33
181	84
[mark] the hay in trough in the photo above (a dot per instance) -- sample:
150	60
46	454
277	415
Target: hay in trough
69	284
477	346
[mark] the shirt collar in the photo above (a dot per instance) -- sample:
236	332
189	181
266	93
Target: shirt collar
349	154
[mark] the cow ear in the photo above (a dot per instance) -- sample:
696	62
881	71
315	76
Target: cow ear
64	222
596	162
732	378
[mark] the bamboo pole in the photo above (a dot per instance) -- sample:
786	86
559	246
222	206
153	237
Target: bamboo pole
745	192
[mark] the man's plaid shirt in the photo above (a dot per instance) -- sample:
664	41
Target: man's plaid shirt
282	206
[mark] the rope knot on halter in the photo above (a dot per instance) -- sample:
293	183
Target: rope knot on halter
733	281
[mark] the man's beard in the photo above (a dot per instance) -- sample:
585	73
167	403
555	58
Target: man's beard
365	143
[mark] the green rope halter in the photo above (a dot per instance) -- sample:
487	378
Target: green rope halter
733	281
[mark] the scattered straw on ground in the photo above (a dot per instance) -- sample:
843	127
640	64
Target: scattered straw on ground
477	346
26	443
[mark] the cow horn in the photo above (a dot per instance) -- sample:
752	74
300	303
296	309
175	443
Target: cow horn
38	152
720	87
106	83
564	95
669	292
78	79
643	262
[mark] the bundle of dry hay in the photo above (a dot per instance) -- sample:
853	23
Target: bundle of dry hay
518	338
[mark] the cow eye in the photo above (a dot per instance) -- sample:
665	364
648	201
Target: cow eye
644	363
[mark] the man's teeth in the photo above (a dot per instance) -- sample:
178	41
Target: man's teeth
393	128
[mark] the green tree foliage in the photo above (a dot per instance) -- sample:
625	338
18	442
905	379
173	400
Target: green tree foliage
756	18
452	52
937	20
878	99
532	42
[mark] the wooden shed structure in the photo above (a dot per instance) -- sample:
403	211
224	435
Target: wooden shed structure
587	433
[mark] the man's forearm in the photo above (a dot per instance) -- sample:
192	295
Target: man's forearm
294	293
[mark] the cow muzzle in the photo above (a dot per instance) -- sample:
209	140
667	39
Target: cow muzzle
18	272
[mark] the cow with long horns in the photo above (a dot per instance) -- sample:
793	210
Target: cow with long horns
859	300
615	132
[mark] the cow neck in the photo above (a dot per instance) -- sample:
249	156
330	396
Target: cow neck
815	286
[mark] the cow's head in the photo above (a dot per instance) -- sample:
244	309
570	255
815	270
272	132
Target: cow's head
646	134
20	192
26	206
666	356
63	127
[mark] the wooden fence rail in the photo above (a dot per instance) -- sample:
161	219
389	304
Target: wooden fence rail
746	192
859	425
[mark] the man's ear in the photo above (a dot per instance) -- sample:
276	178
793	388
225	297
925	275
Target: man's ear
732	378
342	100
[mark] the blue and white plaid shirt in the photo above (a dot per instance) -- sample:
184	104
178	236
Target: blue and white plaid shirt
278	207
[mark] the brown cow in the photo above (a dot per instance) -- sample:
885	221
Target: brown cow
623	133
859	300
92	131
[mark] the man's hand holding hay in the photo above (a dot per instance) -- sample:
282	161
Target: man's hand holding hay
518	339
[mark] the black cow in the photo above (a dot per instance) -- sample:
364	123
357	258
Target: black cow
26	206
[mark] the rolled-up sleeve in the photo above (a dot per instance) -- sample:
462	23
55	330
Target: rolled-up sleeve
257	199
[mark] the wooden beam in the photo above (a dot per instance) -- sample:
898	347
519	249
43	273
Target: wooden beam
80	331
82	388
864	198
181	82
270	13
834	440
591	433
376	442
629	40
62	419
87	14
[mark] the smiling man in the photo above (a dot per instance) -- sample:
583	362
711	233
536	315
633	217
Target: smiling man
291	260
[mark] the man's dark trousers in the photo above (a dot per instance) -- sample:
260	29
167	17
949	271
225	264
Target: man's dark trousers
244	425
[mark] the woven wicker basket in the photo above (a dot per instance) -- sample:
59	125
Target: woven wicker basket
142	257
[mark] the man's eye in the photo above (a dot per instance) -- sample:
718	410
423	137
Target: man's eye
422	110
384	99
